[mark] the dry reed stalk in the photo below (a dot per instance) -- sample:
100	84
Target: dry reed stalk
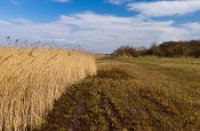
32	79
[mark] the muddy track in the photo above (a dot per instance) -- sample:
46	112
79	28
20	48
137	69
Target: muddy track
90	111
110	112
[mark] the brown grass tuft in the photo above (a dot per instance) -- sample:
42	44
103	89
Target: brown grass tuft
33	78
115	74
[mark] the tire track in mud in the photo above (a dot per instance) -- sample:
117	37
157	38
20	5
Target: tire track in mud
87	106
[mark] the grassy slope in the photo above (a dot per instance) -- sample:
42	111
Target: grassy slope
135	94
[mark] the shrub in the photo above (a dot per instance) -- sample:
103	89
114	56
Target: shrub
125	51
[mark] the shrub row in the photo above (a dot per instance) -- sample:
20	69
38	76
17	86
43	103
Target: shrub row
166	49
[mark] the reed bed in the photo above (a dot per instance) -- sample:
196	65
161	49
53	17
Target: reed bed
31	79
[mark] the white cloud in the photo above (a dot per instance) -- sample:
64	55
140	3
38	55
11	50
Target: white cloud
22	21
194	29
165	8
61	1
97	32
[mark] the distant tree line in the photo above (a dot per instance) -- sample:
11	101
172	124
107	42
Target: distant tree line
165	49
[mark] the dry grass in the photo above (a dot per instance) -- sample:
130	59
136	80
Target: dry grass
142	94
33	78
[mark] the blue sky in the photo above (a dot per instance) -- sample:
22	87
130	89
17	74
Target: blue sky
100	25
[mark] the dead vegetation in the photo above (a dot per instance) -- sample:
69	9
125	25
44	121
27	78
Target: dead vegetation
150	97
33	78
114	73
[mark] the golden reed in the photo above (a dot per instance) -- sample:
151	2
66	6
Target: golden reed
31	79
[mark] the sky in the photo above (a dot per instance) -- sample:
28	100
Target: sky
100	25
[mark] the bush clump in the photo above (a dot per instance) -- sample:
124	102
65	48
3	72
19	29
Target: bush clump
165	49
125	51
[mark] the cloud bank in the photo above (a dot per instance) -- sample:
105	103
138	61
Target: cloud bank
165	8
101	33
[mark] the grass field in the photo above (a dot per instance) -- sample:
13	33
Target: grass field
145	93
31	79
